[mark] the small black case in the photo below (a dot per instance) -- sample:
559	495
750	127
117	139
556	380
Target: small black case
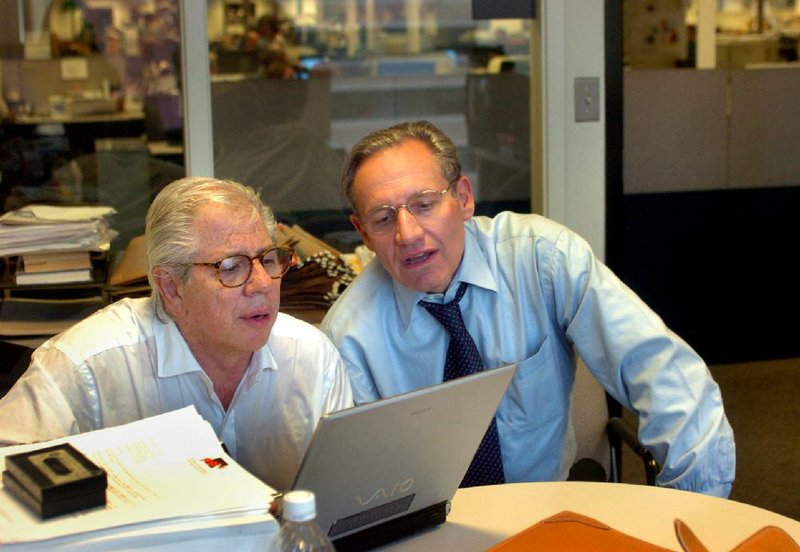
55	480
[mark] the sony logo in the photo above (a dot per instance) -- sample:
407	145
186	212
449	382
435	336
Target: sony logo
382	493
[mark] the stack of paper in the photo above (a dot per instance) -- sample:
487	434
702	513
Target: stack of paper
170	484
38	228
58	267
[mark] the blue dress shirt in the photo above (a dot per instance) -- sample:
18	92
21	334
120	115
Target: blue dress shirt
537	291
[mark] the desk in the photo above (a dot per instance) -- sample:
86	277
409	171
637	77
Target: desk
80	130
483	516
122	116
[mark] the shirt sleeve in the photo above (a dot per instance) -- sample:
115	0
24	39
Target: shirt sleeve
648	369
338	392
35	408
336	324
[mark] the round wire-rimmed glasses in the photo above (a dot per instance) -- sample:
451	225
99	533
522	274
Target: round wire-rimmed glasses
234	271
424	204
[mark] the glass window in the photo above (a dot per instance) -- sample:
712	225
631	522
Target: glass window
661	34
91	104
296	84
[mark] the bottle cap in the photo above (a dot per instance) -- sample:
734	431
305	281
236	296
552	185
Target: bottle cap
299	506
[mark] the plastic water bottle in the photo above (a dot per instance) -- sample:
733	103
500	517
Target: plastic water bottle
299	531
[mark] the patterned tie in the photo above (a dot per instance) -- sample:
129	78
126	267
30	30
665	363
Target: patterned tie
463	359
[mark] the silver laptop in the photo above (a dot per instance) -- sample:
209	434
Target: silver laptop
386	469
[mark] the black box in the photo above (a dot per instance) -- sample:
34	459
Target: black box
55	480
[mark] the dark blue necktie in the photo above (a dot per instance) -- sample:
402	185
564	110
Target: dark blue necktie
463	359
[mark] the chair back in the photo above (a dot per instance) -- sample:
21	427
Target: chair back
589	415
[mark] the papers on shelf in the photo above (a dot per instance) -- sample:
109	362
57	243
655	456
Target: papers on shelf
56	277
53	262
169	482
49	214
38	228
58	267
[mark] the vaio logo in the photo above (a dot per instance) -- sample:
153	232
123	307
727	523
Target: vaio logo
382	493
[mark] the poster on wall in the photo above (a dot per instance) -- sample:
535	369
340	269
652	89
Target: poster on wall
656	34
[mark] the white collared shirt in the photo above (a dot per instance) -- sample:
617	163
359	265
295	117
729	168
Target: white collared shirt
122	364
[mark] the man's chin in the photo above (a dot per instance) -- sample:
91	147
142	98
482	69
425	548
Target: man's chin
426	284
254	340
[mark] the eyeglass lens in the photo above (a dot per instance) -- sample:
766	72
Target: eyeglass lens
421	205
235	271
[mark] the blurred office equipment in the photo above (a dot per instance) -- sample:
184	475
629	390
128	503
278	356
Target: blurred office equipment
498	130
272	134
737	51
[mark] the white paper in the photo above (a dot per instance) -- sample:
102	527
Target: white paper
22	232
160	476
44	214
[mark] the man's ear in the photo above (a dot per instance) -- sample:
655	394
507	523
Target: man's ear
465	197
170	288
357	224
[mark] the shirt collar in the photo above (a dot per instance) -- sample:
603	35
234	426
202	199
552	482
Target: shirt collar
473	269
175	358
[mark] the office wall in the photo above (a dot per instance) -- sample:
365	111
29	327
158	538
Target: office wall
573	33
712	192
717	129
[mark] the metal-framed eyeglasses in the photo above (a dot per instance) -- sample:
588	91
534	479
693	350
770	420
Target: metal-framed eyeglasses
424	204
234	271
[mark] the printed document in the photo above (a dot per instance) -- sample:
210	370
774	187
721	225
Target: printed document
163	473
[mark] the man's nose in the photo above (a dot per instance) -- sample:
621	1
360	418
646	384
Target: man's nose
407	228
259	278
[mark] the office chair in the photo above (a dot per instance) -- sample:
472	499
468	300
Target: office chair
16	358
600	432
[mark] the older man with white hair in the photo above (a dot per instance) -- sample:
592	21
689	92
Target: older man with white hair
209	336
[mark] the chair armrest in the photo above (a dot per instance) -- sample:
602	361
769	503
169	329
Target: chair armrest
620	430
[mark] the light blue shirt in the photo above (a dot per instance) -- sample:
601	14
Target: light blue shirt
536	292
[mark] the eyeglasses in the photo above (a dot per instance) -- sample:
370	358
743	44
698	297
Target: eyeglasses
424	204
234	271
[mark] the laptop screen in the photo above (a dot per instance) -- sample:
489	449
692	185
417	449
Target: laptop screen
387	459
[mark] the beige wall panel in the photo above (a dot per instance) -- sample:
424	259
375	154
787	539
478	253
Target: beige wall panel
765	128
674	131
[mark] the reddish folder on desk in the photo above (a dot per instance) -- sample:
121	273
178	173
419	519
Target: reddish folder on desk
770	538
571	531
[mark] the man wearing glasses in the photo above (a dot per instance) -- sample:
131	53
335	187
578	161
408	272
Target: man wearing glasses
531	292
209	336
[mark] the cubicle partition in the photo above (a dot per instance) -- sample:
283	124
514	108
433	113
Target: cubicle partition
711	176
